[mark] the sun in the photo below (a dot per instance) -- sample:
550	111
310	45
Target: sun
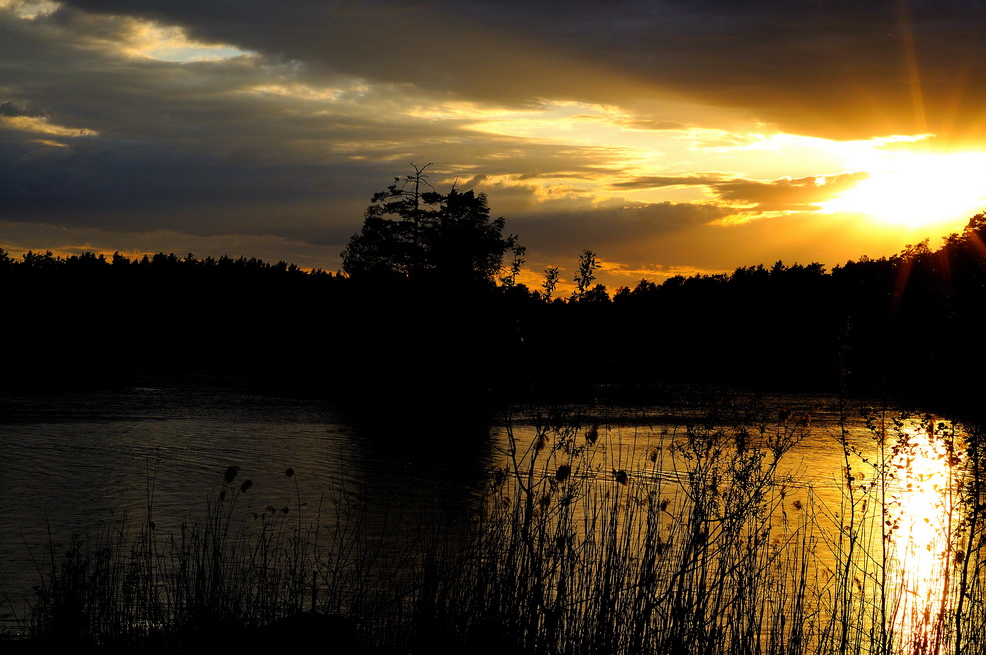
917	189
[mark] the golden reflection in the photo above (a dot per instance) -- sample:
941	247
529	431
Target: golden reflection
919	509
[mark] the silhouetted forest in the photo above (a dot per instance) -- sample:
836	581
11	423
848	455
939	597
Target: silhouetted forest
906	326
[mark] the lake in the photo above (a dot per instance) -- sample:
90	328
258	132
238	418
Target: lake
71	463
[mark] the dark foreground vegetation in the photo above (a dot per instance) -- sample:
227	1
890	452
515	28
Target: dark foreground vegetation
908	325
595	535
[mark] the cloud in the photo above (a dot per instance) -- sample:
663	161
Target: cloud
14	110
616	232
246	145
21	237
743	199
836	68
653	124
626	274
786	194
256	120
664	181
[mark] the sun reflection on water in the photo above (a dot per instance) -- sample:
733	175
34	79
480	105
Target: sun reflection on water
919	509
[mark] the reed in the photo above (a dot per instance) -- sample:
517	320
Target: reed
596	534
581	549
126	583
594	539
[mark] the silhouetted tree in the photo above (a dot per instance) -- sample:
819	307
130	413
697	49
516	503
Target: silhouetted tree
510	279
597	294
550	282
436	235
584	276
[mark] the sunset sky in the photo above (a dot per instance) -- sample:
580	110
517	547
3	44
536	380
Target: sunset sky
671	137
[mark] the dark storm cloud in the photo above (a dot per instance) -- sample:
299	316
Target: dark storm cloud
138	144
433	46
12	109
835	68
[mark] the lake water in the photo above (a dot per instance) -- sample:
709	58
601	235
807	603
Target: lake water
69	462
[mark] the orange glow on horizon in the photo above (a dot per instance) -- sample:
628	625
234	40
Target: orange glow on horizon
917	189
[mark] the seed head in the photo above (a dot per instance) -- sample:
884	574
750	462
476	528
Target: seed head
230	474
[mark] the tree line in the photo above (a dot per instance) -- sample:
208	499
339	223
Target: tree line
429	307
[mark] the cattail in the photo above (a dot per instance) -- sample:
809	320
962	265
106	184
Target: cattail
289	472
245	486
562	473
620	476
230	474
